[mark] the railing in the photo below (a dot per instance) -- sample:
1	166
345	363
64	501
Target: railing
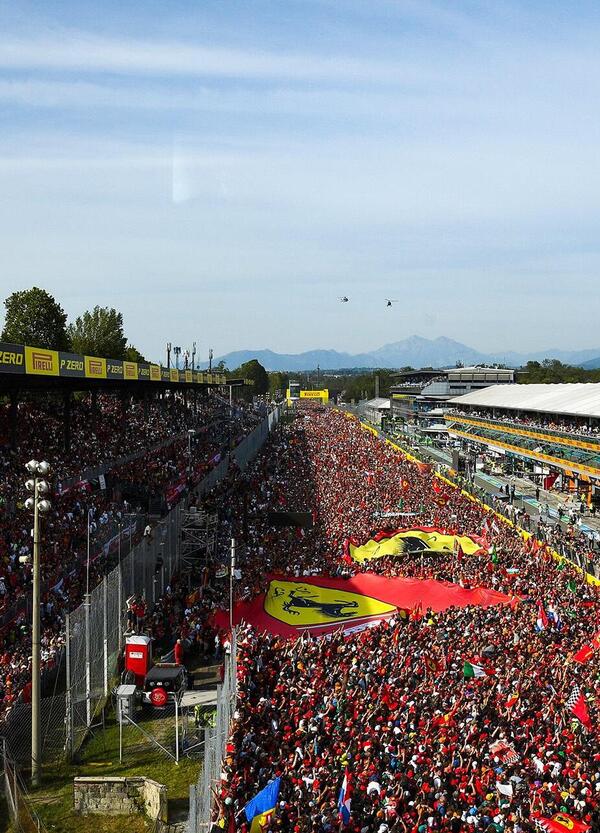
574	438
94	631
215	740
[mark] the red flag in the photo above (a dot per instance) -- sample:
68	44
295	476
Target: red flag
586	652
561	823
577	705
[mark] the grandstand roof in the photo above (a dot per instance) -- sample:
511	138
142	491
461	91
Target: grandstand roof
575	399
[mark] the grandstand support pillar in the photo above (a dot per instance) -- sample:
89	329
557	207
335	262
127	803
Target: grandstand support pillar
12	418
105	633
67	420
195	401
88	668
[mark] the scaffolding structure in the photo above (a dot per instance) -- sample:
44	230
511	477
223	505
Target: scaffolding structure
198	540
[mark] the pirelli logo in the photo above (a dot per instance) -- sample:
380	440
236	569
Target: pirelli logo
174	374
41	362
155	373
130	370
95	368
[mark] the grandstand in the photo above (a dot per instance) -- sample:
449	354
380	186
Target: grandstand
409	647
553	430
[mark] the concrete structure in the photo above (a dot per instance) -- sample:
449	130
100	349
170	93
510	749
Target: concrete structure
376	410
120	797
418	399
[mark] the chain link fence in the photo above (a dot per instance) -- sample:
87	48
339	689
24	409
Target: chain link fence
215	741
86	670
95	629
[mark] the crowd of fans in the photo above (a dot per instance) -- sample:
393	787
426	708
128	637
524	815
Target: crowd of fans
573	426
104	430
390	707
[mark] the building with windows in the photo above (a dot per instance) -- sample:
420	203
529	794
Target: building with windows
418	401
545	431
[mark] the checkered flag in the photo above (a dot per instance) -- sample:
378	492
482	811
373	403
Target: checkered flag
577	705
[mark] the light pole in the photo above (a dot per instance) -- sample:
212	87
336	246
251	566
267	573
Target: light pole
191	434
194	355
169	354
231	576
177	351
40	505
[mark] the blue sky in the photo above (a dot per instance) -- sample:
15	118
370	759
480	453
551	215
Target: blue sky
221	171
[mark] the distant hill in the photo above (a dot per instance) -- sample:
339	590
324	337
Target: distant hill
592	364
414	351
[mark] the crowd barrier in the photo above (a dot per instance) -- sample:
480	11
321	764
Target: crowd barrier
86	669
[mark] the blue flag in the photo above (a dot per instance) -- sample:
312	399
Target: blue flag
262	806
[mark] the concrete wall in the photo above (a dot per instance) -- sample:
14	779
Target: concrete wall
119	797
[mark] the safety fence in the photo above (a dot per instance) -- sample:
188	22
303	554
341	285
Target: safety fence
215	741
21	813
85	671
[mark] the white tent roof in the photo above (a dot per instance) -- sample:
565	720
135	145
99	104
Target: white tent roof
378	403
576	399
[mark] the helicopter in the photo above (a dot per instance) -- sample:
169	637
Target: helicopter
344	299
389	302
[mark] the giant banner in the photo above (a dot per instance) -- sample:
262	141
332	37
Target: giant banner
415	541
319	605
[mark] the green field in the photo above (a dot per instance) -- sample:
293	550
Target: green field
53	801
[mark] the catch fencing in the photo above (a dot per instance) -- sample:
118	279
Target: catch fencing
86	669
215	741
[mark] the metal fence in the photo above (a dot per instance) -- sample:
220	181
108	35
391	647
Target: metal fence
94	631
215	740
86	669
21	812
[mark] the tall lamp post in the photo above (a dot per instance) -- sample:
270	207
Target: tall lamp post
40	505
191	434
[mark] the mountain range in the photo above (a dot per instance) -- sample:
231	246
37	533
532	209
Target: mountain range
414	351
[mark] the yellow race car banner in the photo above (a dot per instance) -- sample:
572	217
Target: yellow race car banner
410	542
319	605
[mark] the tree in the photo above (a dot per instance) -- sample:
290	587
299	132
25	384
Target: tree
35	318
278	382
132	354
99	333
255	371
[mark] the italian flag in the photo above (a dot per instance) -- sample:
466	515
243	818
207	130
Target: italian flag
470	670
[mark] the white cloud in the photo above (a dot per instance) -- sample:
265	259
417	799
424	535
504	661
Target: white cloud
82	52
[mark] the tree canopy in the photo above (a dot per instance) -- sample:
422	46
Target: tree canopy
255	371
99	332
132	354
35	318
551	370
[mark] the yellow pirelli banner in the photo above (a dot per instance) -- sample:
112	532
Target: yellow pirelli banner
323	395
41	362
95	368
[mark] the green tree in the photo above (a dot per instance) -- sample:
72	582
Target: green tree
99	332
278	382
34	317
132	354
255	371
